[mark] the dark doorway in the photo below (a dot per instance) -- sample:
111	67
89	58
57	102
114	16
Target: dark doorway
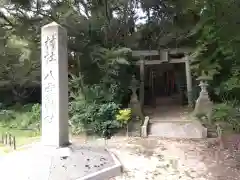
164	81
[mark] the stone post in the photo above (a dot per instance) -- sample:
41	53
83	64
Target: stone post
142	77
54	86
189	82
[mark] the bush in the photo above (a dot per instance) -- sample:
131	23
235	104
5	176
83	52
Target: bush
35	114
227	113
222	112
96	96
31	119
22	117
93	117
6	116
123	116
91	114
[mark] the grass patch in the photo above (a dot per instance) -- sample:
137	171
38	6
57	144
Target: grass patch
23	137
22	122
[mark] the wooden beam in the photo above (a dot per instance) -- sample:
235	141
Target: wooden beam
139	53
177	60
145	53
172	60
180	50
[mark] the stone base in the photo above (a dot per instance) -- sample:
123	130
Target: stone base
182	130
76	162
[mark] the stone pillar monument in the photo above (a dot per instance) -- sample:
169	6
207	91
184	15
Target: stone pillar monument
54	86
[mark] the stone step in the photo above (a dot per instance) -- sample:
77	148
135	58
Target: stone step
212	132
154	121
181	129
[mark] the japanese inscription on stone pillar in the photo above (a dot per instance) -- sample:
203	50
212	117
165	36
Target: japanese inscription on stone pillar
49	85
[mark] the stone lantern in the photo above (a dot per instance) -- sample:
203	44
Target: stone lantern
134	85
135	105
203	104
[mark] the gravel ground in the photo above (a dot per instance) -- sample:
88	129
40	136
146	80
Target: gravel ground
161	159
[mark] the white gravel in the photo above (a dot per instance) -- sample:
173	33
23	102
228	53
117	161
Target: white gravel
159	159
162	159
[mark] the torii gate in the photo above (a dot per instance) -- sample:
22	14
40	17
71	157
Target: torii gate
164	56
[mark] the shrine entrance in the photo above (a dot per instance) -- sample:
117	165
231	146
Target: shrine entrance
165	78
165	85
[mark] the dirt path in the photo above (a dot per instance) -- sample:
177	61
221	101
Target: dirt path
159	159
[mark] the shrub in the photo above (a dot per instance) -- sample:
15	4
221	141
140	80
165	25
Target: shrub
32	118
92	112
6	116
123	116
24	117
93	117
96	96
35	113
228	114
222	112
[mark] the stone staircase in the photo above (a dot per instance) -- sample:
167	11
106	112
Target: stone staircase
174	122
177	129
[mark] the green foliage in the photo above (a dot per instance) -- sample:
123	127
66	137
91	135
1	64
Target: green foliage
222	112
35	117
102	70
6	116
91	112
95	103
228	114
216	54
25	117
123	116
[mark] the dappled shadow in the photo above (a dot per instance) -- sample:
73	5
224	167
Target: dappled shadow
171	159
